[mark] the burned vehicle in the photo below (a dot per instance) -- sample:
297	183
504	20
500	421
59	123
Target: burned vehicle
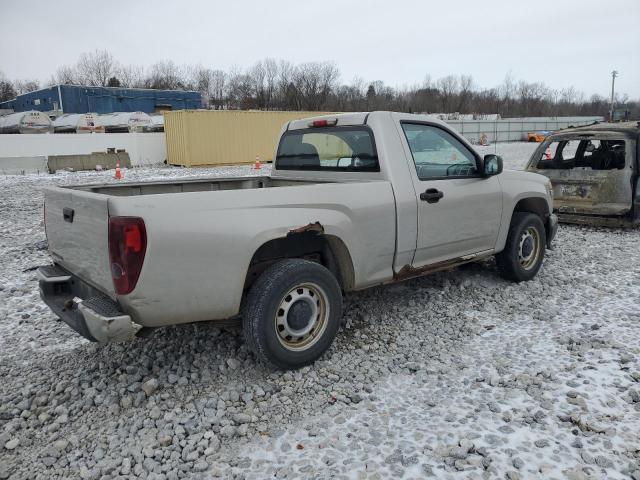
594	173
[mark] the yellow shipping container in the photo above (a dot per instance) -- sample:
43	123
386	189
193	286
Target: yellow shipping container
223	137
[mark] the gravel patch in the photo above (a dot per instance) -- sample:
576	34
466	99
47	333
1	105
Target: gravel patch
455	375
546	388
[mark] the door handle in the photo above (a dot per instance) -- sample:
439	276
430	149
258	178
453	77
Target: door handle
431	195
67	214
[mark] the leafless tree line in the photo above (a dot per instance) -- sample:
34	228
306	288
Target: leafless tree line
314	86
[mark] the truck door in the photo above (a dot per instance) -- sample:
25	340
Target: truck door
458	210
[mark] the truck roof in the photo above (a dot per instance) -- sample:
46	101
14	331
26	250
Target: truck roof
361	118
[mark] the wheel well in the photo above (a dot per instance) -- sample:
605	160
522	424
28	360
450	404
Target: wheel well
316	246
535	205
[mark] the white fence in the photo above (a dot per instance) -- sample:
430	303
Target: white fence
143	148
515	129
23	165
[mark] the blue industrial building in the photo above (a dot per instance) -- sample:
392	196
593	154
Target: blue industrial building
80	99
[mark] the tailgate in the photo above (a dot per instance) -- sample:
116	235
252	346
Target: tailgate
77	225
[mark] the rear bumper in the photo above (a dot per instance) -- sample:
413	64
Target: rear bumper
85	309
552	228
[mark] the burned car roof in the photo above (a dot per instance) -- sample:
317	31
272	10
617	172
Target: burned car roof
629	129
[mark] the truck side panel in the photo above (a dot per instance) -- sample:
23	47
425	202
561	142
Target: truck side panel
200	244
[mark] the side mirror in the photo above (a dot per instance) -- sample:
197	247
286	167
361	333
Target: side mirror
490	165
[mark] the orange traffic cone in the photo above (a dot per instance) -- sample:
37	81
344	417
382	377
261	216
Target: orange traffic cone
257	165
547	153
118	175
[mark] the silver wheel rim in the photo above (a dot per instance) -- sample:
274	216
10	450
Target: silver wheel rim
529	248
302	317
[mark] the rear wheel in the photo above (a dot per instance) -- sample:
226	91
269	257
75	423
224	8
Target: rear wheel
292	313
524	251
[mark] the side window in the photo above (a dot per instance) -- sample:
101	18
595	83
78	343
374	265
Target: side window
592	153
559	155
603	154
438	154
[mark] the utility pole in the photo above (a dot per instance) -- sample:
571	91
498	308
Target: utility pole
614	74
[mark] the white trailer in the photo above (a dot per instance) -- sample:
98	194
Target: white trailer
157	124
78	123
123	122
26	122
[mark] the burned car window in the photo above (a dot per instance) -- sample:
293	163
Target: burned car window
597	154
559	153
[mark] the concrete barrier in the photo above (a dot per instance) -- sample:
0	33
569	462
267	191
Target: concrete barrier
23	165
88	162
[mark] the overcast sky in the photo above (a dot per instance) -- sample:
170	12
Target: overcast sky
559	42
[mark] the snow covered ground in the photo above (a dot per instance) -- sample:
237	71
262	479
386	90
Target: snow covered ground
455	375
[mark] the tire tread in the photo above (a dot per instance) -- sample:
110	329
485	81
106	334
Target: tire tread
506	260
260	294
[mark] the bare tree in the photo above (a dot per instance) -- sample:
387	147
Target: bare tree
272	71
448	89
66	75
507	92
96	68
269	85
531	97
241	89
257	78
131	76
465	91
201	80
286	90
24	86
166	75
218	89
314	82
7	92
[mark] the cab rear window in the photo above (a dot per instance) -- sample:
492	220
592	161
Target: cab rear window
345	149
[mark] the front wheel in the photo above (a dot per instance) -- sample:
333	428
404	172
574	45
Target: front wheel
292	313
524	251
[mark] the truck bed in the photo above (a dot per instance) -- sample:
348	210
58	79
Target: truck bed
192	185
198	238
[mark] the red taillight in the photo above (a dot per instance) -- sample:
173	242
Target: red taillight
133	238
127	247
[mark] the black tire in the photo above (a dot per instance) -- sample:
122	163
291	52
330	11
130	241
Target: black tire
283	286
512	262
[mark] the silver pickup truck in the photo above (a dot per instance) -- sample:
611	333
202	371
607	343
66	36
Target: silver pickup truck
353	201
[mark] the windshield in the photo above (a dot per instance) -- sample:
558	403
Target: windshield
335	148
